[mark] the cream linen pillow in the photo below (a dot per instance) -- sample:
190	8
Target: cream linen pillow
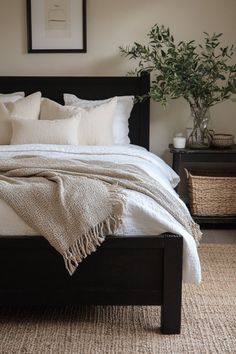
95	126
52	110
63	131
24	108
120	128
27	107
5	125
11	97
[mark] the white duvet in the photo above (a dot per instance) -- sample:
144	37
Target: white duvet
142	215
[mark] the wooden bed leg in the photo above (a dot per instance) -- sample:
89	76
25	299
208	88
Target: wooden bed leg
172	285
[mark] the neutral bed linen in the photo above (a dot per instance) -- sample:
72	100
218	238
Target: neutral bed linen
141	216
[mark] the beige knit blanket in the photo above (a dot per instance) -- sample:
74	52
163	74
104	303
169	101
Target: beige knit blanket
75	204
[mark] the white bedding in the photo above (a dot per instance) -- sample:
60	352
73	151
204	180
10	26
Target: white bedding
142	215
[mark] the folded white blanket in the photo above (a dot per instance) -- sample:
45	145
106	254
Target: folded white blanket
142	214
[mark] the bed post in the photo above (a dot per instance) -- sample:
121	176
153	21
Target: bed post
172	285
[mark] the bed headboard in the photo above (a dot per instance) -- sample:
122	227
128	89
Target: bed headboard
91	87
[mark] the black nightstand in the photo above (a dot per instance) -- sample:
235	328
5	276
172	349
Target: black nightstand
205	159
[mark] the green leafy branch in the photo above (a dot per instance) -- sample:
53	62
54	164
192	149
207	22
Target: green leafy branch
199	73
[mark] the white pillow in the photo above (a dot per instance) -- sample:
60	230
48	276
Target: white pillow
95	124
124	107
24	108
63	131
11	97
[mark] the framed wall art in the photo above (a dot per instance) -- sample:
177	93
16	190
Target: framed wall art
56	26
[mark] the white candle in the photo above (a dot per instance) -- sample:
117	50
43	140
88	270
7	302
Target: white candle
179	142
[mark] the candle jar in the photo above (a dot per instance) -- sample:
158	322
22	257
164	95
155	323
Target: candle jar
179	142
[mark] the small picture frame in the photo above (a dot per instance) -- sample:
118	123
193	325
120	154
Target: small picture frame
56	26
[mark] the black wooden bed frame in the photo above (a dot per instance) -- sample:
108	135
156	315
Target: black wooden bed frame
125	270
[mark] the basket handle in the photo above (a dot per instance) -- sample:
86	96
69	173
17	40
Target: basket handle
187	173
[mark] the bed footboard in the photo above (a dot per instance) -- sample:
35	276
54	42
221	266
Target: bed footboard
125	270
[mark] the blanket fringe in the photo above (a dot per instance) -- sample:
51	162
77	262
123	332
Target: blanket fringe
93	238
196	232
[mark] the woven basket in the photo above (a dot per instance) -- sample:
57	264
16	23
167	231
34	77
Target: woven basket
222	140
212	195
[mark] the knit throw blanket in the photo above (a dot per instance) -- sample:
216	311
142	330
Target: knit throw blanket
75	204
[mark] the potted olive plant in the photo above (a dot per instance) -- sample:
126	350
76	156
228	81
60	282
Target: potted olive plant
203	74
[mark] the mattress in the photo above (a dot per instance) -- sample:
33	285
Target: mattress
142	215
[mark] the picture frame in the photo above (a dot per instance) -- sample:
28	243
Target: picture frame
56	26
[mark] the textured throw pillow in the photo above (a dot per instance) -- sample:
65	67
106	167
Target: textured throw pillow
24	108
27	107
63	131
95	124
52	110
120	128
5	125
11	97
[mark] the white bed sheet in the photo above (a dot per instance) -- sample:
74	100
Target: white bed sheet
142	214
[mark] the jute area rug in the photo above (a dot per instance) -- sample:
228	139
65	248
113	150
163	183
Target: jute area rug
208	320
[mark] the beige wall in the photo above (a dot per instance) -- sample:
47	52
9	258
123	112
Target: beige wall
111	23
